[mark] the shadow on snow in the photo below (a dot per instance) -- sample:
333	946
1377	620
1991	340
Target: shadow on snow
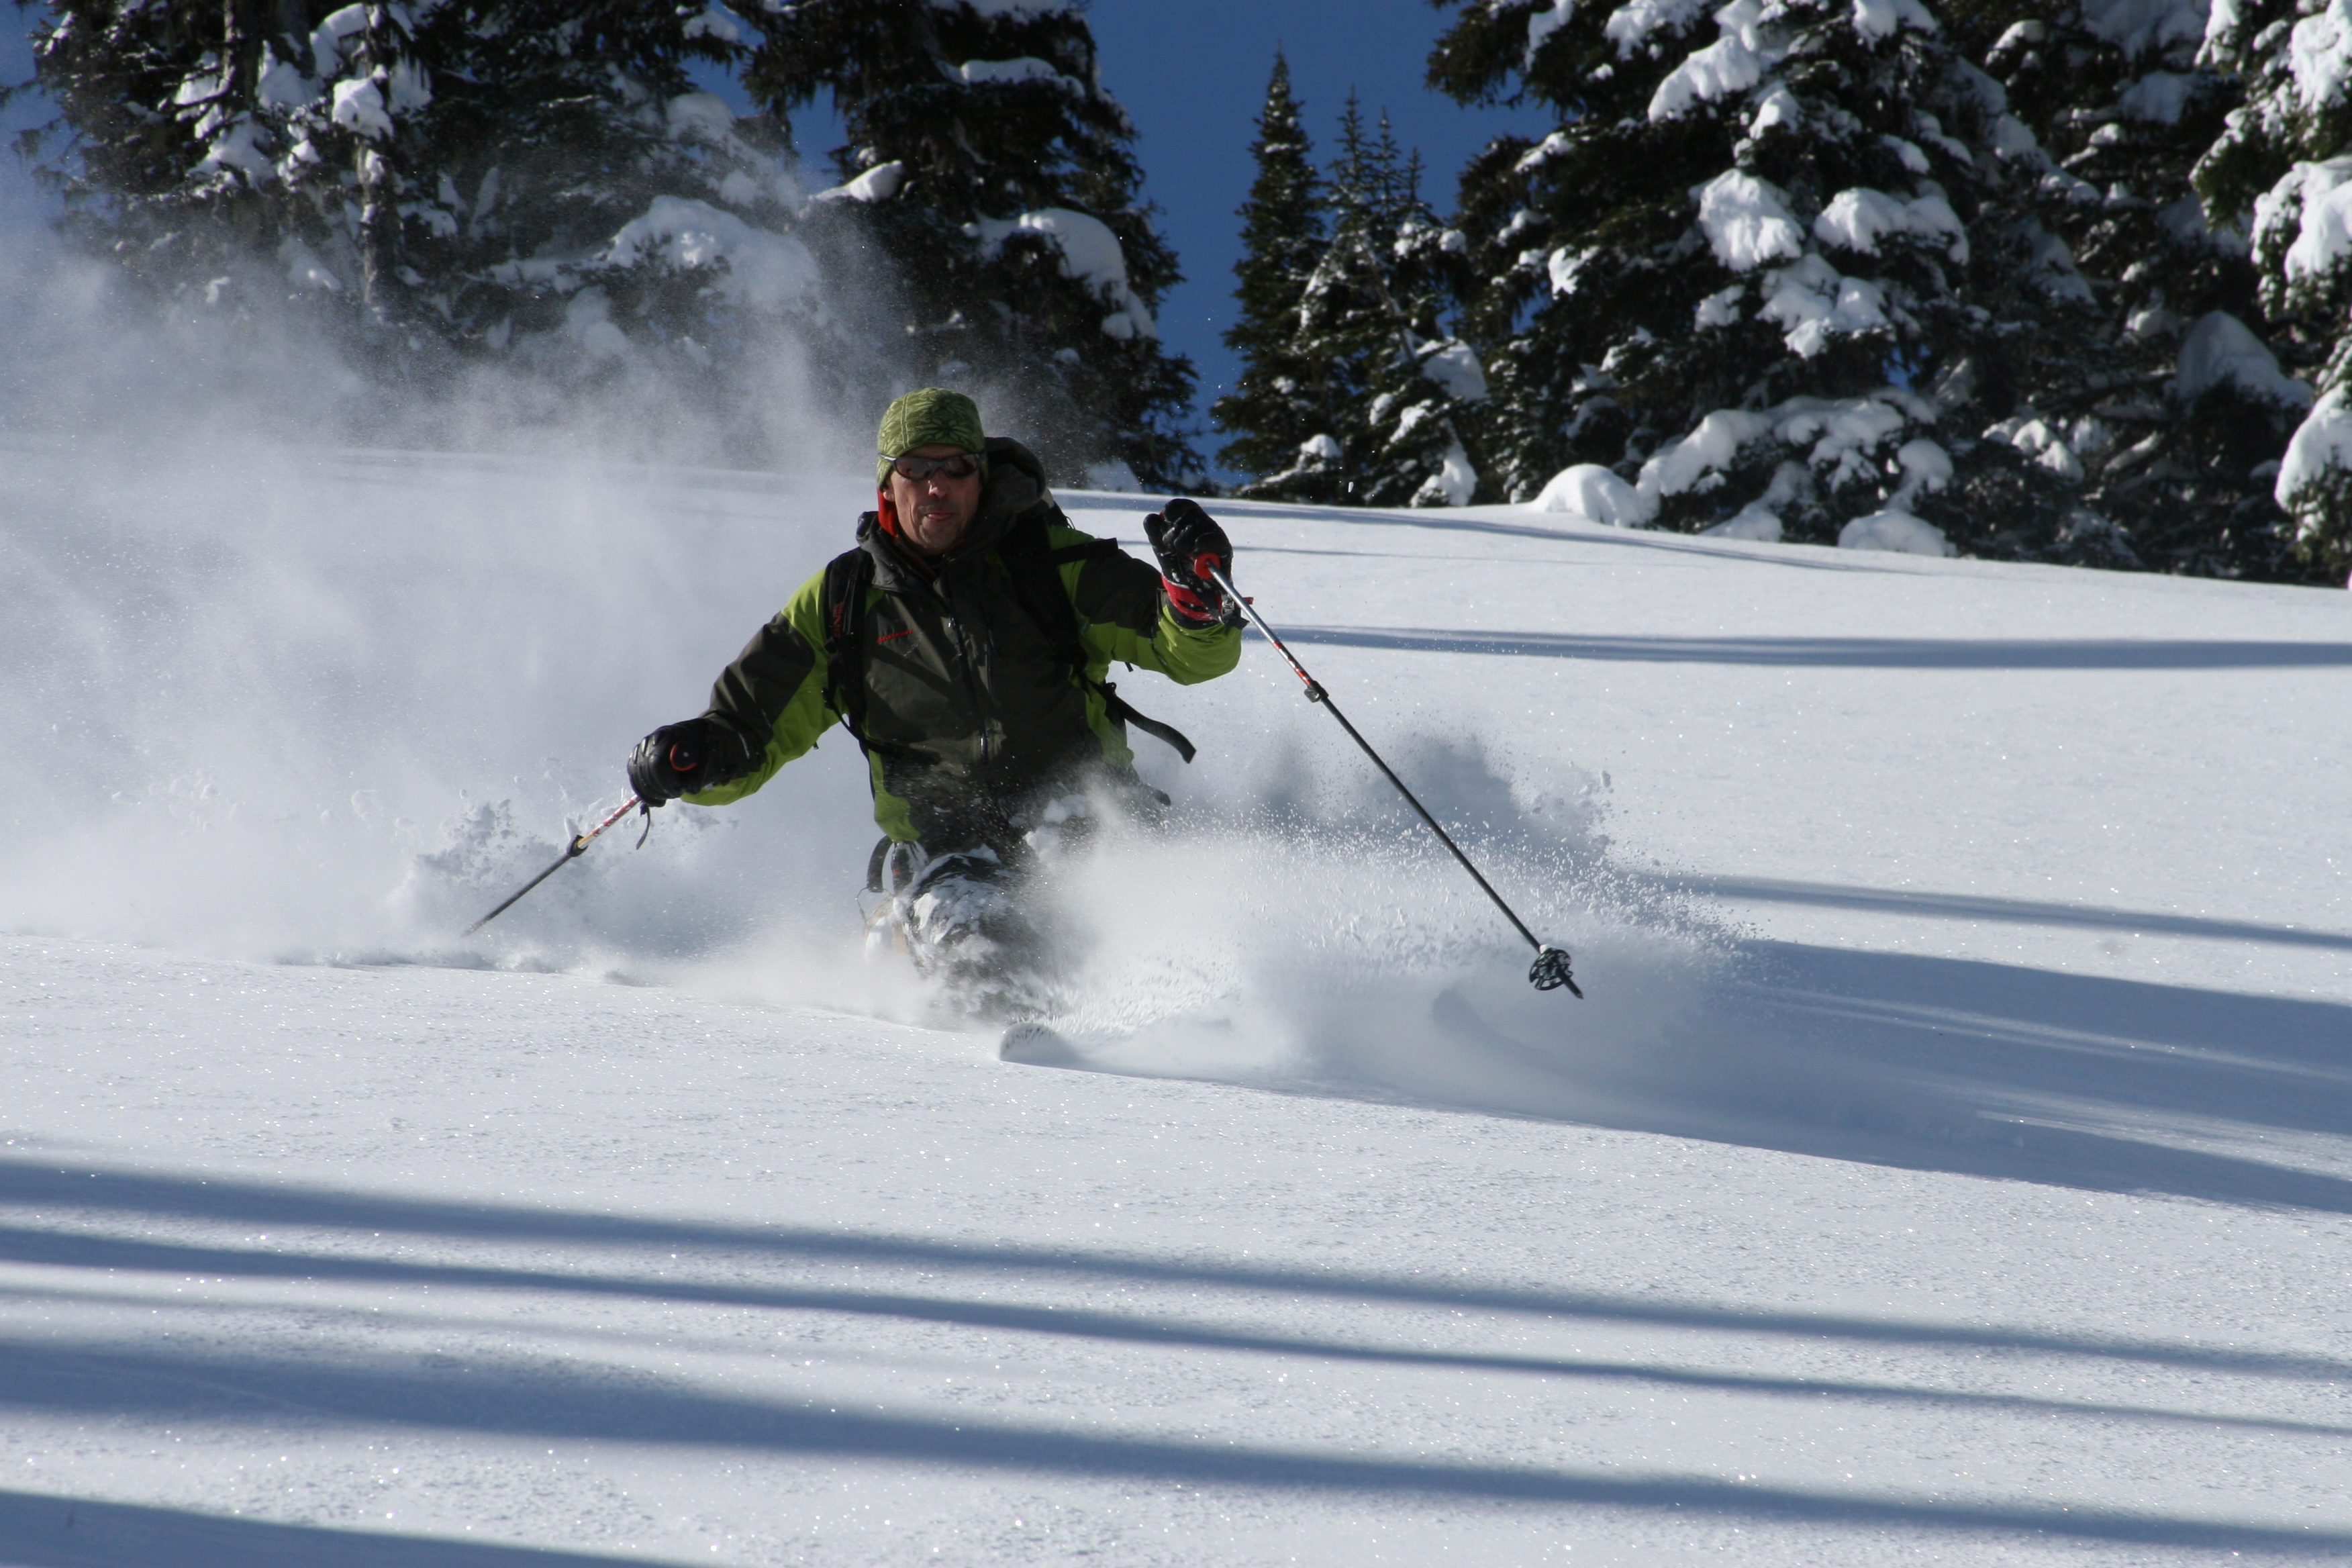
41	1531
1933	1064
80	1192
515	1400
2009	912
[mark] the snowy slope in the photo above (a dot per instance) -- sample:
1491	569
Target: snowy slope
1951	1162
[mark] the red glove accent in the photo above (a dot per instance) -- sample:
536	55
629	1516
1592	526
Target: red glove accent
1188	605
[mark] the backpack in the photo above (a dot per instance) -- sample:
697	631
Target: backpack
1034	569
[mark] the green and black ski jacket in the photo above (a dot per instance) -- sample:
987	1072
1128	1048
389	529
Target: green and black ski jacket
971	714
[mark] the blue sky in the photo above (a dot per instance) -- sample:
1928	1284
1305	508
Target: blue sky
1191	73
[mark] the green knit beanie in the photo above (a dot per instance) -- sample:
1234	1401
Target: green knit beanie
933	416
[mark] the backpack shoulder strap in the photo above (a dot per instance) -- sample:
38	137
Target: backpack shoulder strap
1034	568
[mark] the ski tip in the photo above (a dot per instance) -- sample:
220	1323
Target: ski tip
1035	1045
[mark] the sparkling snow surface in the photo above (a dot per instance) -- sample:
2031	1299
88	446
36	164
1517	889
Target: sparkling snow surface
1951	1164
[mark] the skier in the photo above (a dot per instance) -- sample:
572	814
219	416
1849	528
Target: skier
965	644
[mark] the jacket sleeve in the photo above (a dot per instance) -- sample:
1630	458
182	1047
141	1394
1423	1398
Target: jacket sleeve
1124	615
775	689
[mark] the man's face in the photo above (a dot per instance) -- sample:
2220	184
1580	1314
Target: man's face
933	512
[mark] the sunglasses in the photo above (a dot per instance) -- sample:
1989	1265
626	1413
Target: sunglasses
962	466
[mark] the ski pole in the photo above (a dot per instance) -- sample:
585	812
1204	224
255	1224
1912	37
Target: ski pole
579	842
1549	970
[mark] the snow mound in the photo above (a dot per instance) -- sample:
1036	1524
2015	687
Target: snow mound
1897	531
1755	521
1591	493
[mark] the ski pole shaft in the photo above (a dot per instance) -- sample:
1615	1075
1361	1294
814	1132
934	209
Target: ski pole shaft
579	842
1550	968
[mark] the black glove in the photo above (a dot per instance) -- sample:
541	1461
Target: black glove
685	759
1188	542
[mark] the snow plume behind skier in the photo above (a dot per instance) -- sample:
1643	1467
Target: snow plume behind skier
342	743
965	643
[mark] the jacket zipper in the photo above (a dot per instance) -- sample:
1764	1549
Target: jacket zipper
971	670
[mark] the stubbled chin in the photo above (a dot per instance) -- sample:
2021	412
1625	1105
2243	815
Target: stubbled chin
932	536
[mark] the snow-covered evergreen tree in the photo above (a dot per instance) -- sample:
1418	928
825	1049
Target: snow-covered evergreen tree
1403	393
1281	413
1738	287
986	163
1427	384
2282	170
466	179
2158	401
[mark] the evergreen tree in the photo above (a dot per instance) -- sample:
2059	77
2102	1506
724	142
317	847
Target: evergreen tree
988	166
1743	278
1401	390
471	180
1425	383
2282	173
2163	436
1282	412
